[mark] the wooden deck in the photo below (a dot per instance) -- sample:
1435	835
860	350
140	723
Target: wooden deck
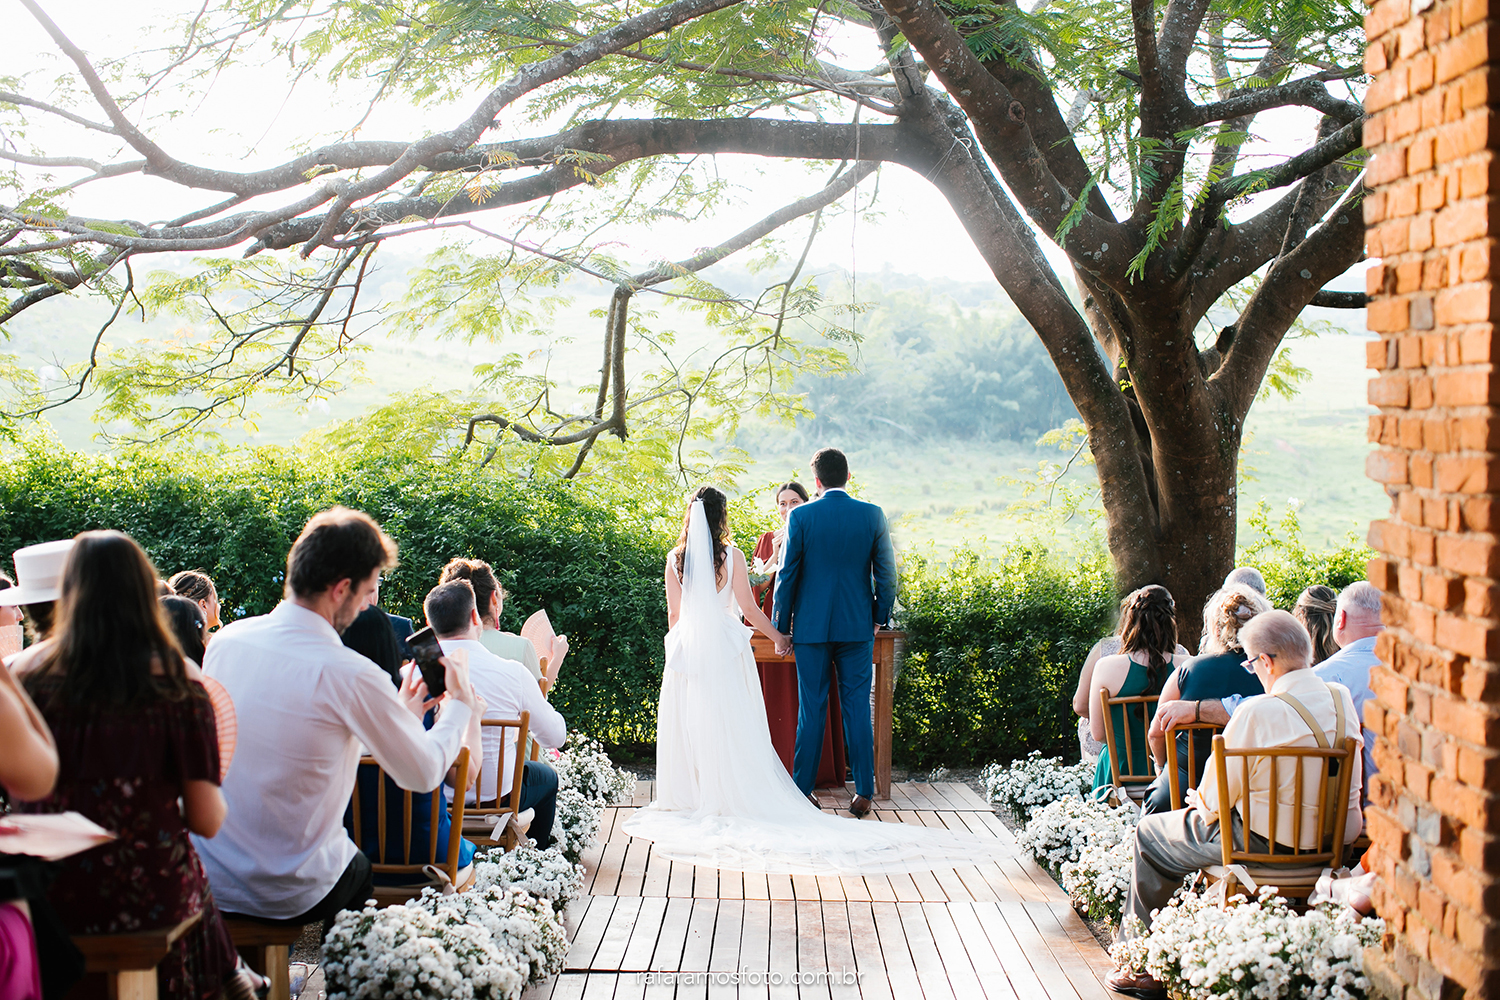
992	931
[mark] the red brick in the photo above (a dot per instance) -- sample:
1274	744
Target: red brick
1467	473
1478	767
1455	388
1481	599
1421	392
1440	591
1466	52
1386	467
1378	571
1476	346
1481	682
1378	352
1468	721
1458	223
1410	582
1465	304
1393	389
1481	514
1387	315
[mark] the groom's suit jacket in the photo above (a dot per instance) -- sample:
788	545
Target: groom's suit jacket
838	572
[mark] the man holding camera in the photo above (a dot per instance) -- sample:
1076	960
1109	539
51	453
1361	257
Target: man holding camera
307	707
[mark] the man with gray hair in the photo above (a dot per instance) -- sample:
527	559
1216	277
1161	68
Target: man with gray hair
1169	846
1249	576
1356	623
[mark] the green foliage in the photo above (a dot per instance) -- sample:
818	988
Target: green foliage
993	653
591	558
1289	566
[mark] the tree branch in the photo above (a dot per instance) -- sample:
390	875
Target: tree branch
1308	91
1329	299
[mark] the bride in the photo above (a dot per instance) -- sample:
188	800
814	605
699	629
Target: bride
723	797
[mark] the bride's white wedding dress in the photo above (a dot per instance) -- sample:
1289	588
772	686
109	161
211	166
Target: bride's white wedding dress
723	797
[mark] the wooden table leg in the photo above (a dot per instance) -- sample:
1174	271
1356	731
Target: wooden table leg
885	669
133	984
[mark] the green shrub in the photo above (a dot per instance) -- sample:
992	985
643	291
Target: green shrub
1289	566
993	653
592	560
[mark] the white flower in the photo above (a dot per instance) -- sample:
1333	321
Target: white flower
1028	784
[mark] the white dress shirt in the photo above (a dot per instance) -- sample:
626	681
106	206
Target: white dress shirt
1265	721
508	690
306	706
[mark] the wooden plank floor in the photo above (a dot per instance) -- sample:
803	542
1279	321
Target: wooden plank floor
653	928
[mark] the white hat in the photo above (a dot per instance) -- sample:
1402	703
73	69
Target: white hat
39	569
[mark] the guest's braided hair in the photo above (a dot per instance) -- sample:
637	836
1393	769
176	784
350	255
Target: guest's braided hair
716	511
1148	624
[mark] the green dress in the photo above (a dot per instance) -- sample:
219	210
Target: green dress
1135	684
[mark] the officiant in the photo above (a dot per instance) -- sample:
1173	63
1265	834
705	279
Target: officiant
778	677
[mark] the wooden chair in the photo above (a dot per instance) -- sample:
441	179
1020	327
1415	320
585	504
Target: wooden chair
126	963
1293	871
267	949
550	647
1173	770
409	865
506	811
1132	777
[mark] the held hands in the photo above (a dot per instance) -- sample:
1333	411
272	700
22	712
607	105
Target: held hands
413	691
783	642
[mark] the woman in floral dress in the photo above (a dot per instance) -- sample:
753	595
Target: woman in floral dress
134	735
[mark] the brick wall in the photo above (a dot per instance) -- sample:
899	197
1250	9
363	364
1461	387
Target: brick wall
1435	814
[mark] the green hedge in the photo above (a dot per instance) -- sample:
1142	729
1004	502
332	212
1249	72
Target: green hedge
993	652
594	562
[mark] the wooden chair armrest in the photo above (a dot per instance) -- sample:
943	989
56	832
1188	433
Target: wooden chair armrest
135	950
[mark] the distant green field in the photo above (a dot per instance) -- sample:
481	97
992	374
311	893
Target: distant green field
940	493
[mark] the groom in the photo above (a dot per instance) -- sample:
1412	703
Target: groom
834	591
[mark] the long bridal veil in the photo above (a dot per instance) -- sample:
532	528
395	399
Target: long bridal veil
723	797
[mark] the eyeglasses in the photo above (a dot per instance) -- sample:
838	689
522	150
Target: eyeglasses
1249	664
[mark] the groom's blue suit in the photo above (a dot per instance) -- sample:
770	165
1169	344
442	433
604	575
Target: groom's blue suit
836	583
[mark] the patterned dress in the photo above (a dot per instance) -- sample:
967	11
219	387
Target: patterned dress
125	771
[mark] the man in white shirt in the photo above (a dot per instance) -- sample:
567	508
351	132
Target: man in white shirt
489	598
307	707
1172	845
508	689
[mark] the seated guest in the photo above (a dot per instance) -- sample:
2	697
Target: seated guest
1148	640
1170	846
1211	676
491	601
508	690
188	624
397	834
39	570
372	637
195	585
1084	693
135	737
28	771
1246	576
1356	625
307	708
1315	609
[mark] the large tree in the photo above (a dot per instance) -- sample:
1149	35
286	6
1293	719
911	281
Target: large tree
1122	130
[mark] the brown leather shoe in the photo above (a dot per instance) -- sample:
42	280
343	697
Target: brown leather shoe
814	800
1141	986
860	807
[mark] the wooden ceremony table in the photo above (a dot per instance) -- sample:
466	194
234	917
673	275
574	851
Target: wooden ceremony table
769	663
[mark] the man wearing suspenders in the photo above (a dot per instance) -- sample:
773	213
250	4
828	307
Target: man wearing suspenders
1298	710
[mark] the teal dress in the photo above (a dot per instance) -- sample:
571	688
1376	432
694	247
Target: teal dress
1135	684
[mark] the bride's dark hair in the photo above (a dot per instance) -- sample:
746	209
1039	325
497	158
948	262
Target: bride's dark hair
716	511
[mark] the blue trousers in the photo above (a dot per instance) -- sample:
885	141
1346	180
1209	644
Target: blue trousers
539	792
854	661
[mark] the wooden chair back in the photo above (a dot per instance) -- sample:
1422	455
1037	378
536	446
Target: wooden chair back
506	808
1174	779
410	865
1132	772
1331	807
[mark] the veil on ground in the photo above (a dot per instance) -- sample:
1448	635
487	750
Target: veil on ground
723	797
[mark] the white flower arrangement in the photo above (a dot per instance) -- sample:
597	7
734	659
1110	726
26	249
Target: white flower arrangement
1099	880
408	952
1028	784
544	874
1253	948
1059	832
576	824
523	927
585	767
